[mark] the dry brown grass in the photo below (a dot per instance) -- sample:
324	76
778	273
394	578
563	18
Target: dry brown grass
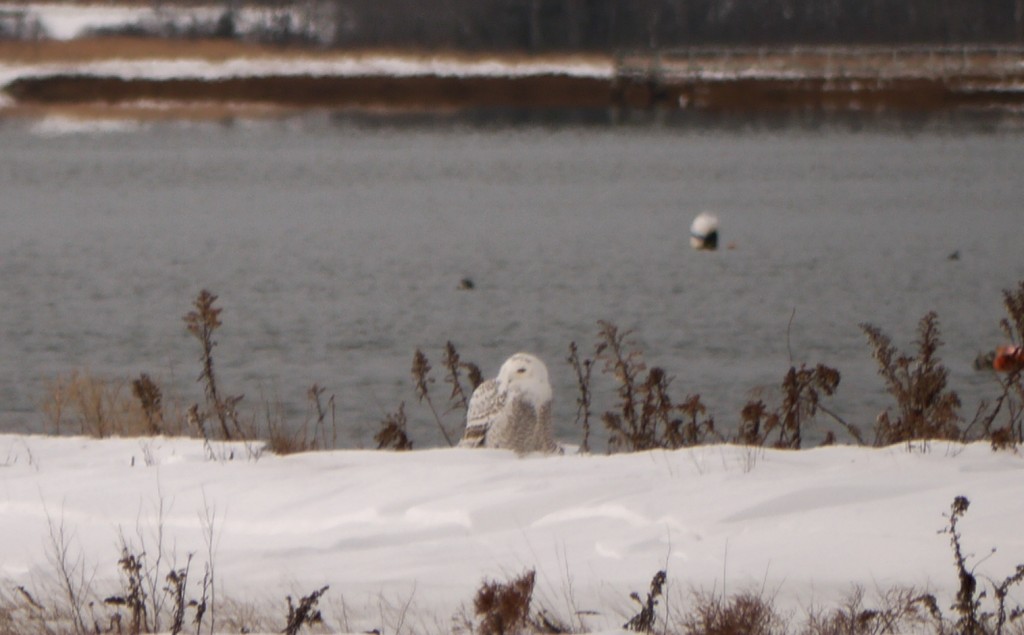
83	403
130	48
898	610
149	112
318	431
742	614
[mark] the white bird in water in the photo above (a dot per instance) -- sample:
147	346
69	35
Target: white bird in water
704	232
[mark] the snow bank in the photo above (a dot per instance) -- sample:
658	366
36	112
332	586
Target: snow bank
426	527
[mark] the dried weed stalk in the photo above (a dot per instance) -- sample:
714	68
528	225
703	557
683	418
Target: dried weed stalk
743	614
151	400
643	621
1011	395
646	417
459	397
901	610
312	435
392	434
971	617
926	409
306	613
69	565
968	603
201	605
320	440
422	380
177	584
582	369
802	390
455	366
1014	302
201	323
134	596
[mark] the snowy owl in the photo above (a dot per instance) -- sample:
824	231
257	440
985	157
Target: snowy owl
513	410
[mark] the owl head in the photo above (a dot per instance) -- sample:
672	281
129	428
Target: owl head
525	375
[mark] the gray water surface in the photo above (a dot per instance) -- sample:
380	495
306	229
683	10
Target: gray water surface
337	249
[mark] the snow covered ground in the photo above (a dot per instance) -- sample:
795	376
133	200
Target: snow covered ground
405	539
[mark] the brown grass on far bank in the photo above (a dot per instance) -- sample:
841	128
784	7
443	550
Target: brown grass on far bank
83	50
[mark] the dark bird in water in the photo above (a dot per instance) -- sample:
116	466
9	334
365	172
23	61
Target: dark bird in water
466	284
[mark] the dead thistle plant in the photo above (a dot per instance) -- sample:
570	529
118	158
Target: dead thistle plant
926	409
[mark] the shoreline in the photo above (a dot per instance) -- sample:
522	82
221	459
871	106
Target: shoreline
146	78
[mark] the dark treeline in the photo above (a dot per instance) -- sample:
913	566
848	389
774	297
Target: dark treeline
607	25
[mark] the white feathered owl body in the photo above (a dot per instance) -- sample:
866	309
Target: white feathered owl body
513	410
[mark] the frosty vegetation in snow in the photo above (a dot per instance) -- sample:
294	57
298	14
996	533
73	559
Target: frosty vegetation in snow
156	597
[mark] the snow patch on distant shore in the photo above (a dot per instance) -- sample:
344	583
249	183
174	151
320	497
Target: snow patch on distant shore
57	126
341	66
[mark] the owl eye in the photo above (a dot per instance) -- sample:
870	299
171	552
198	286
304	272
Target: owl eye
521	370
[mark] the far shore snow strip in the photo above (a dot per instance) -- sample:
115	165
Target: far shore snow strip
361	66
